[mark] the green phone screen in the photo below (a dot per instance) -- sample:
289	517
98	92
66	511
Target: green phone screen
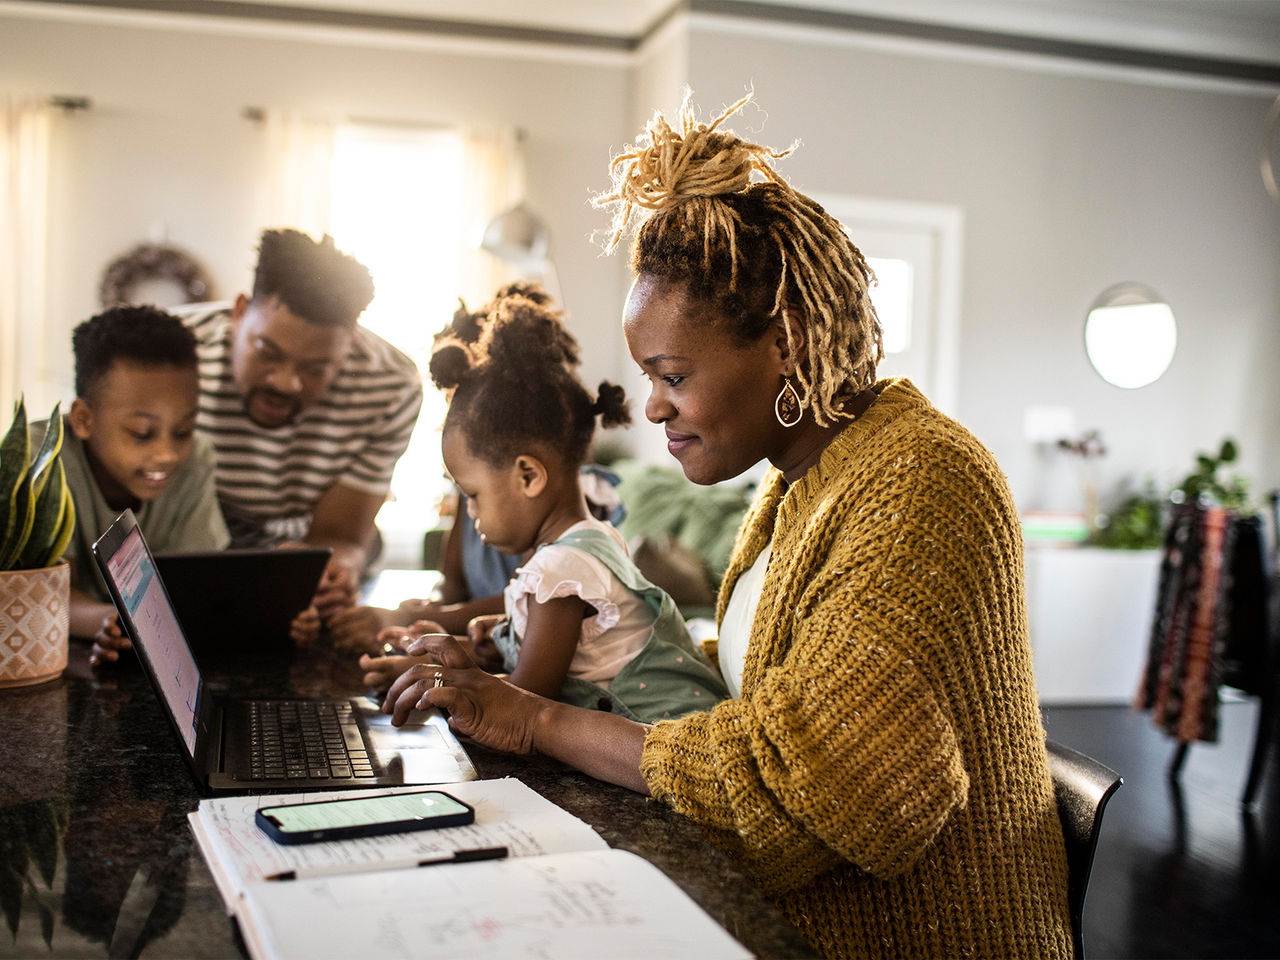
362	811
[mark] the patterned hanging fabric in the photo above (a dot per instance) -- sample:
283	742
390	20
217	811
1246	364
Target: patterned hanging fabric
1209	623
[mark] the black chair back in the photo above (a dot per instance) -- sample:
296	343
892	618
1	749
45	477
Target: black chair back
1082	787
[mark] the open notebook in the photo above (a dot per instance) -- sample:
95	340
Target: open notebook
561	893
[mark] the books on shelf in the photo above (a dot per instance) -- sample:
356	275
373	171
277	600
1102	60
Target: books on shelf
561	892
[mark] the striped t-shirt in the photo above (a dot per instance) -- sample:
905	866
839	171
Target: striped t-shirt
269	479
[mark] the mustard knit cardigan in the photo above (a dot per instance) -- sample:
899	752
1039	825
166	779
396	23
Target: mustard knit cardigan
883	776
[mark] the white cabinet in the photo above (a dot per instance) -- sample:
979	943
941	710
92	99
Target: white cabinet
1090	613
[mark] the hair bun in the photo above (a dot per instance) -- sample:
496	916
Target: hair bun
670	166
527	289
466	325
611	405
450	365
522	331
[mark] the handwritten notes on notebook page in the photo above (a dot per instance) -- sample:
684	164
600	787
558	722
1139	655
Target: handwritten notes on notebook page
603	903
562	893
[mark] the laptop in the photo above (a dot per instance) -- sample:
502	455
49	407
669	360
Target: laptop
232	602
243	745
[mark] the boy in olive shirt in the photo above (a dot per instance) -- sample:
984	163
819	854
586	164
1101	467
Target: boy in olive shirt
130	442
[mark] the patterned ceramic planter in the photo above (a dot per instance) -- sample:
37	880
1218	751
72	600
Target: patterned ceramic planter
35	622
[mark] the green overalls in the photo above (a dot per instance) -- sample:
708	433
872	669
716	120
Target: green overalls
669	677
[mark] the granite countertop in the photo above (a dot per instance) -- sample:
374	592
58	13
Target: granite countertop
95	793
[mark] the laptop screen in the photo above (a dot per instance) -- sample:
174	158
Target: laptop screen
156	629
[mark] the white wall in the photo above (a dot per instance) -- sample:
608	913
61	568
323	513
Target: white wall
1068	184
658	77
164	142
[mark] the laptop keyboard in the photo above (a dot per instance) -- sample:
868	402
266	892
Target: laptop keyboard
305	740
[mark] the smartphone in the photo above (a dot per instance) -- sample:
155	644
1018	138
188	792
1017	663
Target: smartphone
346	817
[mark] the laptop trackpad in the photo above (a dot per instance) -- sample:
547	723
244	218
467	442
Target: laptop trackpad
424	750
420	737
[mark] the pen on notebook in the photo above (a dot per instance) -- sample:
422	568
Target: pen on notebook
332	869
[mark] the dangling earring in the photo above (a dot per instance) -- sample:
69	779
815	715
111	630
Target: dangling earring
788	408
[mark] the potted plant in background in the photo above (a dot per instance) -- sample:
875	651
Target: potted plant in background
1203	483
1139	521
1089	448
1136	523
35	582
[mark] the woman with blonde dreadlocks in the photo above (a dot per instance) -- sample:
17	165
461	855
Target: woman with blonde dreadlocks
880	770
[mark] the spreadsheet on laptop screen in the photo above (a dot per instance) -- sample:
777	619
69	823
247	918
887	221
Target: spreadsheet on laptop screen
158	631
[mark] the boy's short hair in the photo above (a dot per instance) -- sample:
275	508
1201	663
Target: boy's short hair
143	334
315	280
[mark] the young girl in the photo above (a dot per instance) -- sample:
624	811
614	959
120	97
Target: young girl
475	573
582	624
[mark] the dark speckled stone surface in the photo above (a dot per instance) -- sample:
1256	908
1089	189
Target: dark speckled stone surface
96	858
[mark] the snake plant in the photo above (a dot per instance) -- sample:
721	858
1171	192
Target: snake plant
39	516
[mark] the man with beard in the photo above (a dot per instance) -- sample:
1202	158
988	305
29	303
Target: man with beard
308	411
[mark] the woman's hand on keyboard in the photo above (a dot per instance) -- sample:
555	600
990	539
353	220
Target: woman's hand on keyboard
480	705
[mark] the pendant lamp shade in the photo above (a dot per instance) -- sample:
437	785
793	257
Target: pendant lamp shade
518	236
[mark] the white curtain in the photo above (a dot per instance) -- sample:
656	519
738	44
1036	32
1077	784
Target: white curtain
297	189
493	180
25	130
299	159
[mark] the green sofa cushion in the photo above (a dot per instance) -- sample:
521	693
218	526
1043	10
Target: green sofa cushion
662	503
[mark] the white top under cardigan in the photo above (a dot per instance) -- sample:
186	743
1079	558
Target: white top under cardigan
739	614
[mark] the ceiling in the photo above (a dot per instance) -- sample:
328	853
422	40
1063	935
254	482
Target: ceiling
614	18
1231	40
1247	30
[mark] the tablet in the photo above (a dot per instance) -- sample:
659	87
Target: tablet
241	601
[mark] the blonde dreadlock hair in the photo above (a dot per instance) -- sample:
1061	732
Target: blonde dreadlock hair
758	251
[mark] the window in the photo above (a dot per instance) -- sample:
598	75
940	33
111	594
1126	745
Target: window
892	299
915	251
396	206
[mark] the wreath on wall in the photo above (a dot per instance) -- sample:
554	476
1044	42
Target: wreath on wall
153	261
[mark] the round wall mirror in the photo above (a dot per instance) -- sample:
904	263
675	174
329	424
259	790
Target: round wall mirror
1130	335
